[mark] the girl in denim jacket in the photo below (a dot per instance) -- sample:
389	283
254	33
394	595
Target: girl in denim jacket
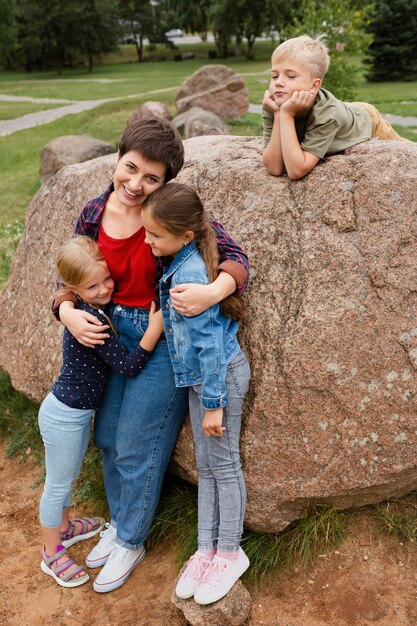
207	358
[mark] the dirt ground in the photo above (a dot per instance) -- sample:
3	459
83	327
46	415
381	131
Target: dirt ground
370	579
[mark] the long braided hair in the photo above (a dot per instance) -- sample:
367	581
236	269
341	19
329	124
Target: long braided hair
178	208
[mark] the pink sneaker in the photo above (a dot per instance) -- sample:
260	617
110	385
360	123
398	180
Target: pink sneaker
219	578
192	575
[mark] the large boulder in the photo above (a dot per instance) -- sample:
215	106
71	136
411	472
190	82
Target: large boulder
331	329
216	88
70	149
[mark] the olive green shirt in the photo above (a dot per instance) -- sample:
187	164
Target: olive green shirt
329	128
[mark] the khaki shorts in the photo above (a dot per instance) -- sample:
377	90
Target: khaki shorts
380	127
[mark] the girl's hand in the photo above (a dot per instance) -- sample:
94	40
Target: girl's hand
84	326
154	330
212	423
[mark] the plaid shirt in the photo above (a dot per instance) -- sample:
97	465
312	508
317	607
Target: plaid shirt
89	224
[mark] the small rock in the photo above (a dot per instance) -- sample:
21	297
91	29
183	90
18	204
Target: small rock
365	557
150	109
364	541
68	150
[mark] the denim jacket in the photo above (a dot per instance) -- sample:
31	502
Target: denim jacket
200	347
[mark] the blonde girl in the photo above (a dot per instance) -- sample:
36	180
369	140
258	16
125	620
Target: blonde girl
65	414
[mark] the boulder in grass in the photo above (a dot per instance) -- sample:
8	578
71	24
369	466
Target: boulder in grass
215	88
150	109
196	122
70	149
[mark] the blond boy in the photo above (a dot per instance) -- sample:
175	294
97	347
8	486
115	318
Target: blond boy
302	123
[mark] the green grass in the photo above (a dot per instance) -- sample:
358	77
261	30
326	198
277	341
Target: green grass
399	517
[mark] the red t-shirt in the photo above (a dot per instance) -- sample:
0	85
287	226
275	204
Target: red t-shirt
132	265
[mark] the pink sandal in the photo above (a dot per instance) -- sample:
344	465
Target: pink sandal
90	526
68	569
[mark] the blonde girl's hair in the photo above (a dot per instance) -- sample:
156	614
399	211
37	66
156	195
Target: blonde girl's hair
178	208
312	51
76	261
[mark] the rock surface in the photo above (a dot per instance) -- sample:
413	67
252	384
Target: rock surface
331	329
216	88
150	109
196	122
70	149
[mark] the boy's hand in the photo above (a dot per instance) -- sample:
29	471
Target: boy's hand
269	102
154	330
212	423
300	102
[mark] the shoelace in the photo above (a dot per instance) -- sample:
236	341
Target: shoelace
197	566
106	526
213	571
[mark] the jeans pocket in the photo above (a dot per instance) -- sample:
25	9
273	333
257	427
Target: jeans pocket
239	370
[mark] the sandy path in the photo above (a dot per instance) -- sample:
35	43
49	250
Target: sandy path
370	580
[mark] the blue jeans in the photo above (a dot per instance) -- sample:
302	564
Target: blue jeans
221	486
65	432
136	428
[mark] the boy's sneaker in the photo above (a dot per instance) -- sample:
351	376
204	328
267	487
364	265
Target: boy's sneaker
192	575
120	564
101	552
220	577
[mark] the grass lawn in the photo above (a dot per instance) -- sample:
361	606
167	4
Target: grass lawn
20	152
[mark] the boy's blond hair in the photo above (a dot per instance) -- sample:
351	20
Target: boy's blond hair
313	52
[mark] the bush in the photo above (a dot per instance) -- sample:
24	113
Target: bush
393	54
346	36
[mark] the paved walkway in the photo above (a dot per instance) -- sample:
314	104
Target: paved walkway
7	127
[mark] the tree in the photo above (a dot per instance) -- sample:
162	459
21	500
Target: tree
256	17
345	28
95	26
193	15
393	52
8	31
138	16
224	21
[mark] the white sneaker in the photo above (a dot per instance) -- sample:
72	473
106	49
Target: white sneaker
101	552
192	575
120	564
220	577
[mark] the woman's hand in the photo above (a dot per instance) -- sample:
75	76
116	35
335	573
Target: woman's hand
154	330
84	326
192	299
212	423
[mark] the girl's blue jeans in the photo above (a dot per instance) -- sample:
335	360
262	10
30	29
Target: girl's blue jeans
65	432
136	428
221	486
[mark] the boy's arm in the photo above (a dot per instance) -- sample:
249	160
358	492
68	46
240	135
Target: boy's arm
272	156
297	161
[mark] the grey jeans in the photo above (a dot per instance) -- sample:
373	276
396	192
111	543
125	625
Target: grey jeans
221	486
